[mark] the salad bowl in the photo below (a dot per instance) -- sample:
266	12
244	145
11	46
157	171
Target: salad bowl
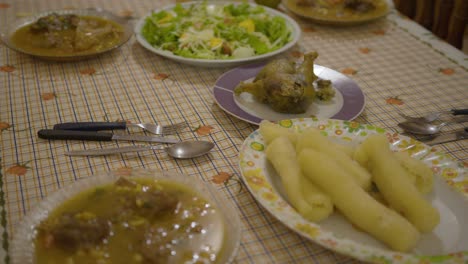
205	55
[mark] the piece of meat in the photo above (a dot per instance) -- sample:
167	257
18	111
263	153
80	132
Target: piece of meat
359	6
149	204
54	22
282	85
284	93
71	233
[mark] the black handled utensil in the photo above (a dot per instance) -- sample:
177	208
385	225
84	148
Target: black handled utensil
90	126
97	126
99	136
434	116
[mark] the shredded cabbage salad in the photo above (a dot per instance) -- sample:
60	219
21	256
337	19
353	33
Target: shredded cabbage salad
216	31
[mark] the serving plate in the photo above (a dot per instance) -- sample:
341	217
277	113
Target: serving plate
348	103
448	243
311	13
22	245
212	63
6	33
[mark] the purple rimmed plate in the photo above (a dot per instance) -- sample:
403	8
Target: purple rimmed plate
347	104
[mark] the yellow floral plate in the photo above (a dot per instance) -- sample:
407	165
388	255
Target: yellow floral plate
448	243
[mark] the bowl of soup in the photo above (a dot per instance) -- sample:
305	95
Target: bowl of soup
135	216
67	35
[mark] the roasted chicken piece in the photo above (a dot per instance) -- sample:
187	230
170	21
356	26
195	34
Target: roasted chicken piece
284	86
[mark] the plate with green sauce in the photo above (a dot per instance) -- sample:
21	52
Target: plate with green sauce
130	216
340	12
67	35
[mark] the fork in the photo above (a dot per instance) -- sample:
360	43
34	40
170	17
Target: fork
434	116
158	129
95	126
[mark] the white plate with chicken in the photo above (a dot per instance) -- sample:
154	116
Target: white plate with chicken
250	92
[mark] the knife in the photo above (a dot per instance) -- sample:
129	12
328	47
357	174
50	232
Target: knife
99	136
109	151
448	137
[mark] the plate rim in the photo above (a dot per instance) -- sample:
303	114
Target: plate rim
351	244
255	120
295	30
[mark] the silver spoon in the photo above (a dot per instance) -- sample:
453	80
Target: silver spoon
421	128
182	150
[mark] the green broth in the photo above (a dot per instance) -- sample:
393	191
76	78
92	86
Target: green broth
193	229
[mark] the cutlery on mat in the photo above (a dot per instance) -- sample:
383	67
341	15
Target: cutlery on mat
182	150
99	136
459	135
434	116
424	128
96	126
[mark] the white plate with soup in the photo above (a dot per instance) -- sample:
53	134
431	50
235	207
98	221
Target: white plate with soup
67	35
447	243
130	216
340	12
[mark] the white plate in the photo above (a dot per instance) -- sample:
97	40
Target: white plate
348	103
294	27
447	243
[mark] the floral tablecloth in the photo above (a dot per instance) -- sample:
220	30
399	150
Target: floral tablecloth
400	67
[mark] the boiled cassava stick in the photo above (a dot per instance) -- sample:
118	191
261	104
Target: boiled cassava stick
395	185
356	204
303	195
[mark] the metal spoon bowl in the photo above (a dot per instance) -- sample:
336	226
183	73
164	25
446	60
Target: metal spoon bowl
181	150
421	128
189	149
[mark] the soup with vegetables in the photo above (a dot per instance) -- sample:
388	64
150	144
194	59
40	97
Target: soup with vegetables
132	221
68	35
339	10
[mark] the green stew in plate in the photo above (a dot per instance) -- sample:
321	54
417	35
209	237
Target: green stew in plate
67	35
132	221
